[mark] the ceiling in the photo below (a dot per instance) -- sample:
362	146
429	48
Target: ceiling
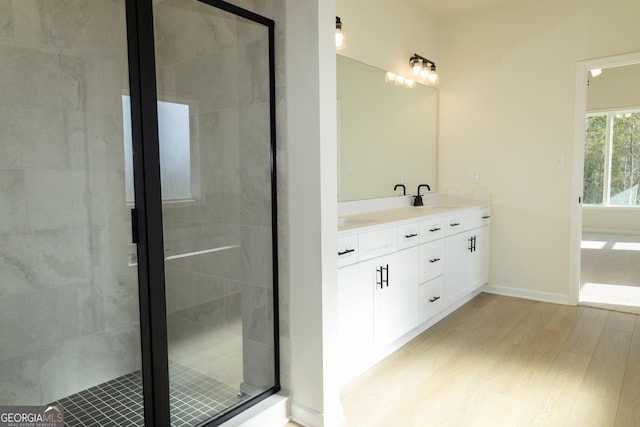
446	8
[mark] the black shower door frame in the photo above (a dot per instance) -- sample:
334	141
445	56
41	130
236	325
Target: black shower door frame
147	215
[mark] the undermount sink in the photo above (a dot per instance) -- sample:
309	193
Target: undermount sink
348	222
442	206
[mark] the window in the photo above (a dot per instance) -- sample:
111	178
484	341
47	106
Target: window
612	158
175	150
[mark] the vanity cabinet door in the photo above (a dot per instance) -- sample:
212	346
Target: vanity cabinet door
355	317
395	295
478	259
456	249
466	263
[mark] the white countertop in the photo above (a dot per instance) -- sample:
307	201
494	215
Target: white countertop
440	206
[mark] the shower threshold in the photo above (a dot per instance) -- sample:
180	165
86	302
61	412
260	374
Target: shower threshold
194	398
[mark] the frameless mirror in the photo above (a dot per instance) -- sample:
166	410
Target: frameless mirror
386	133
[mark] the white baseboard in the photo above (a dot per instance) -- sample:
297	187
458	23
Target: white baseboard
306	416
610	231
527	294
272	412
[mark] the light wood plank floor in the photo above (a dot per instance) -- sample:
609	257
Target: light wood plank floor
500	361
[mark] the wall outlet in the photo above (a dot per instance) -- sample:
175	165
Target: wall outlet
404	177
474	176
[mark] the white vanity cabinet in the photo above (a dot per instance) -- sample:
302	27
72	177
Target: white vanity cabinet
395	301
400	277
377	299
355	317
467	257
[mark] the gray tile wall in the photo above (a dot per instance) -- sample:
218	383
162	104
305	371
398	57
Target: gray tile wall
219	66
68	299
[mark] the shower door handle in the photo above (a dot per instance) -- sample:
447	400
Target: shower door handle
134	226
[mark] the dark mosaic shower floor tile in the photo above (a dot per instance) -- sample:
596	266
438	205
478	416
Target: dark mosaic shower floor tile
194	398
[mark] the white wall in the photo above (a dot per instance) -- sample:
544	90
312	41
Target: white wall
312	207
611	220
385	34
617	87
507	110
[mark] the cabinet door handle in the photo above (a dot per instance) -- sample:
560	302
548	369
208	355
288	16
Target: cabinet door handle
475	238
454	224
379	270
434	299
470	248
347	251
408	236
386	269
432	260
433	230
486	217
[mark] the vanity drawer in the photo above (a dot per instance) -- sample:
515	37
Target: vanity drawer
432	230
347	250
377	243
485	217
431	260
458	224
408	235
430	298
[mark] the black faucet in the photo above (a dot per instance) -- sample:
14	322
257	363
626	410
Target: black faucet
417	200
404	189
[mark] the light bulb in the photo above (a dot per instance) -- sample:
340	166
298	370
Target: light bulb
340	44
424	72
340	39
416	66
433	75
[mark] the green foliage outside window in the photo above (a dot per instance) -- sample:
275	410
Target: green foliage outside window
623	153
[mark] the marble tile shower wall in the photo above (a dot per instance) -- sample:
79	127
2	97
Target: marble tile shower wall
68	300
219	66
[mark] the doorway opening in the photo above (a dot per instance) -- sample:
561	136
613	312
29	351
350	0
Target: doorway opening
606	219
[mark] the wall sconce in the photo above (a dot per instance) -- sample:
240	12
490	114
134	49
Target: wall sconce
423	69
340	39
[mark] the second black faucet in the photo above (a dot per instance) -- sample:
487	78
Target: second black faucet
417	200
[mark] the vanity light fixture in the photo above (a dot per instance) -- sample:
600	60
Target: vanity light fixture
423	69
340	39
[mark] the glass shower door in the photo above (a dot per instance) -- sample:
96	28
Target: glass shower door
69	313
214	121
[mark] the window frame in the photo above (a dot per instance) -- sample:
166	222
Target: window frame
610	114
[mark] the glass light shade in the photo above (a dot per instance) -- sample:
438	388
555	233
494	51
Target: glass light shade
340	39
390	77
424	72
416	66
433	78
399	80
